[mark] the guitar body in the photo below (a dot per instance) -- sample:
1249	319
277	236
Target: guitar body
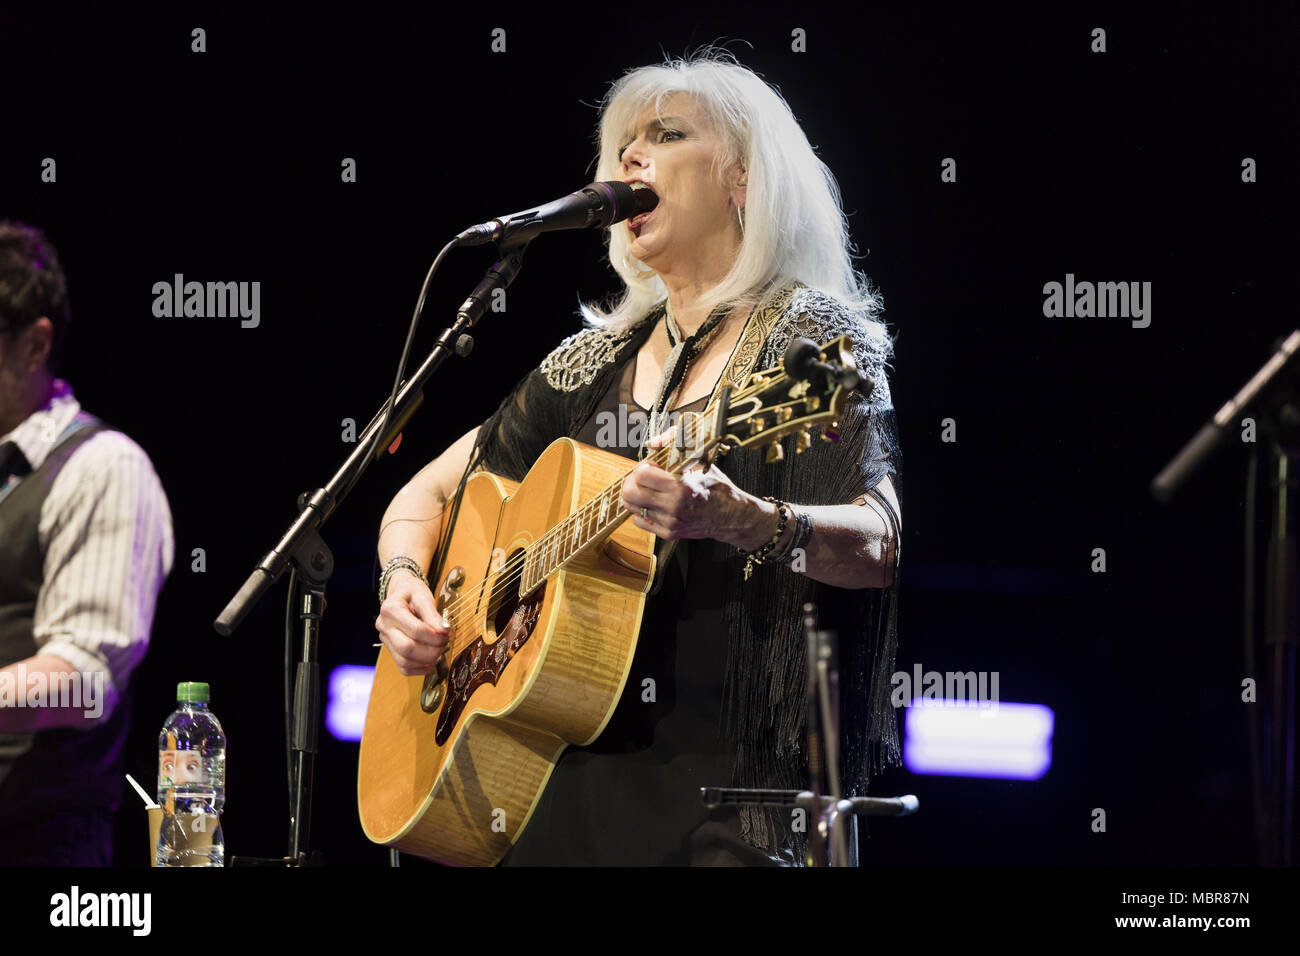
455	777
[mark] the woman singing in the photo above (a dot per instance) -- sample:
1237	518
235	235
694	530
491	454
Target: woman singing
747	248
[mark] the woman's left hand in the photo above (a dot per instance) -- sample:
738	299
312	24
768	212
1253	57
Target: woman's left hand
702	503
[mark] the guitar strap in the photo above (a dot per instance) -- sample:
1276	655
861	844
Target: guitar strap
747	351
744	357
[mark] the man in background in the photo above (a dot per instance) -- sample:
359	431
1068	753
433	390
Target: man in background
85	545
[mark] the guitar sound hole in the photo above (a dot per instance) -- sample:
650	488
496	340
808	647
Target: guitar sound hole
504	598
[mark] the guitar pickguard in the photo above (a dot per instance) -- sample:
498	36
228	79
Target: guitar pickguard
483	663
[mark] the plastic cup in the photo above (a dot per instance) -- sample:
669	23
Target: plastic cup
190	833
155	824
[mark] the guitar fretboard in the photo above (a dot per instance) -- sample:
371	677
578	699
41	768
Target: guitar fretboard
599	516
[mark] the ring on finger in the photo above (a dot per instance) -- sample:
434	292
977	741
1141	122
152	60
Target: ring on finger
645	514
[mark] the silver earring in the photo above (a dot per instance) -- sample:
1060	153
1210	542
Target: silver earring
740	219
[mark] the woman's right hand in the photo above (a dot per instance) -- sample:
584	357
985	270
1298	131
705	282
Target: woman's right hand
410	626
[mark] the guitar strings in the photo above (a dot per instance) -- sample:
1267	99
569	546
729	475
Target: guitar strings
513	570
460	615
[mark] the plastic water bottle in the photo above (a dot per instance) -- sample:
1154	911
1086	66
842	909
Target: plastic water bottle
191	781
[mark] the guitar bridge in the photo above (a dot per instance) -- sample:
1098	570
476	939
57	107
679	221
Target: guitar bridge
434	688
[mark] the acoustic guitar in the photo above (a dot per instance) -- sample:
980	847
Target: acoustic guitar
544	583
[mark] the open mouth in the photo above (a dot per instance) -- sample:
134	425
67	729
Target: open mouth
635	223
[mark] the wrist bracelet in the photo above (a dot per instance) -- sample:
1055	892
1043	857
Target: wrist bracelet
752	558
803	529
399	563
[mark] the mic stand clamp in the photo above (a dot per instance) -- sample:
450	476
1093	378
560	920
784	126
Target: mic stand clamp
821	809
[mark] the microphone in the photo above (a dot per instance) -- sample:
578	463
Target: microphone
591	207
1251	399
903	806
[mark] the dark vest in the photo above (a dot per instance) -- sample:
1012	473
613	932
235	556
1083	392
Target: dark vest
60	768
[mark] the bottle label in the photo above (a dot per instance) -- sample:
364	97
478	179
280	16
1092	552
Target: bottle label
179	767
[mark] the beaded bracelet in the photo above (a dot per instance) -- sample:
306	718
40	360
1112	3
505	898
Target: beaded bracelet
803	529
752	558
399	563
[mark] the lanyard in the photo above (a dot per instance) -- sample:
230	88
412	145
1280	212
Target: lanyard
679	358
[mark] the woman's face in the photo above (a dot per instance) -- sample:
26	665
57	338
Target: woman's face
695	222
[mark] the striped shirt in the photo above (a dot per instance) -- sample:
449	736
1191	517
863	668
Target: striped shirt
105	530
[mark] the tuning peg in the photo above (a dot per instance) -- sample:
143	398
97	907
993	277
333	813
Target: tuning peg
757	425
802	442
774	453
784	414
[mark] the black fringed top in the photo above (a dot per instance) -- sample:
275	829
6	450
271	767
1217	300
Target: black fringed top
715	696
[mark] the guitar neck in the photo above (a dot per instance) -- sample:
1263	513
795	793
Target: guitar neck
593	521
769	406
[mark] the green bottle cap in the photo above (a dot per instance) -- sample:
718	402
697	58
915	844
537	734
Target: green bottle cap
191	691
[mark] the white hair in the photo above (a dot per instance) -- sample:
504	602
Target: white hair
795	227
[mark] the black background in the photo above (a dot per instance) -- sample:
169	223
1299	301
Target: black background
1122	166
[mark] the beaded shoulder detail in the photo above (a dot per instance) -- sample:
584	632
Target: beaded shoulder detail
575	363
818	316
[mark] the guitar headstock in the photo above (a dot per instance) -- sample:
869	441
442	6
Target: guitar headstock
804	395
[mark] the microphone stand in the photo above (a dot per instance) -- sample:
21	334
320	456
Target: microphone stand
832	837
313	563
822	671
1282	580
1273	396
